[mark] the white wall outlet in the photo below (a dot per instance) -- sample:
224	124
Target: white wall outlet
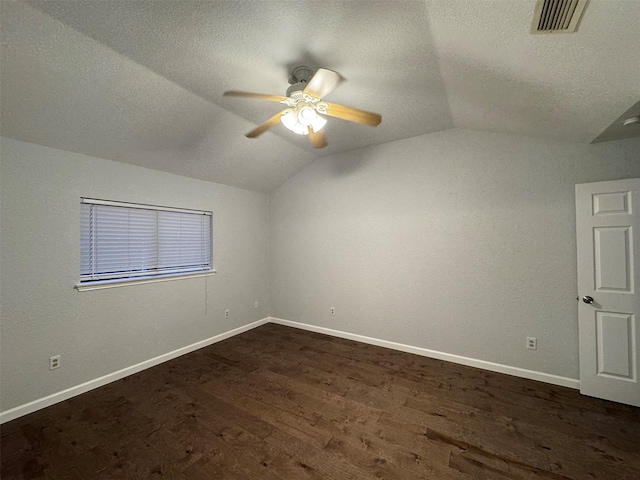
333	311
532	343
226	313
255	304
54	362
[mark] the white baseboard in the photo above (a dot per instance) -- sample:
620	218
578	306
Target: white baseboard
471	362
49	400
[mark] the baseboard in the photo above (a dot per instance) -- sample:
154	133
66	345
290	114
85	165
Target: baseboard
49	400
470	362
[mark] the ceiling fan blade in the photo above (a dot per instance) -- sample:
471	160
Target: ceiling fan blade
353	114
272	122
317	138
323	82
263	96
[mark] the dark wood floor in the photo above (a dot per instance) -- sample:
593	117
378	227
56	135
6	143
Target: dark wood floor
280	403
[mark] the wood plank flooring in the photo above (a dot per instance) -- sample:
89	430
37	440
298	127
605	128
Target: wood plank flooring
280	403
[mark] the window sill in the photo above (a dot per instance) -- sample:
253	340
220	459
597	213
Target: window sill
100	284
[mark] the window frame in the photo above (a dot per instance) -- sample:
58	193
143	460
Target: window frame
139	277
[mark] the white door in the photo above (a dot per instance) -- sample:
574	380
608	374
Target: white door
608	239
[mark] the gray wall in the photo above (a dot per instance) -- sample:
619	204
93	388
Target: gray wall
461	242
99	332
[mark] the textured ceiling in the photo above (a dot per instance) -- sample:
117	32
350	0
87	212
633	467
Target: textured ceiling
142	81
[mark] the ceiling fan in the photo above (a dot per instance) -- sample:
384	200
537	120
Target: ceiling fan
305	111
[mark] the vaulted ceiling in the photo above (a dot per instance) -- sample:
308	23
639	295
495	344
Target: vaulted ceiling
141	81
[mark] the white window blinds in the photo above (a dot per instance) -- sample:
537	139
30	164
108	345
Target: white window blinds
123	240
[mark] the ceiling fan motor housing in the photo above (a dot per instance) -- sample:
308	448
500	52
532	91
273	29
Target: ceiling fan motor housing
299	78
296	87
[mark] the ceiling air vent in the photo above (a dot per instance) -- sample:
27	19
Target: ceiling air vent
557	16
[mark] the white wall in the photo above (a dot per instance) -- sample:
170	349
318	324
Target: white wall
99	332
460	241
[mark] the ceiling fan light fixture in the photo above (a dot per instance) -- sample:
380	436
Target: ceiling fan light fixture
318	122
290	120
298	121
306	116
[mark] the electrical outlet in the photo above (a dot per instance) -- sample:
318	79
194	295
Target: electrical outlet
333	311
226	313
54	362
255	304
532	343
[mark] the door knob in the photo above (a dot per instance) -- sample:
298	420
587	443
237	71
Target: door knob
587	299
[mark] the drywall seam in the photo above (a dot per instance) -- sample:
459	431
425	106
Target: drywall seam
49	400
449	357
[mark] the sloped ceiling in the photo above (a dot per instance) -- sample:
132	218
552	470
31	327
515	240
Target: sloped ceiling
141	81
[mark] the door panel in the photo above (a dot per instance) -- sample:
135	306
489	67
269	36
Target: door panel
607	226
613	268
611	203
615	346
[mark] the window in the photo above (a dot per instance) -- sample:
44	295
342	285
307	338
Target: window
125	242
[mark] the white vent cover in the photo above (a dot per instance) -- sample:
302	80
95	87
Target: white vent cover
557	16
